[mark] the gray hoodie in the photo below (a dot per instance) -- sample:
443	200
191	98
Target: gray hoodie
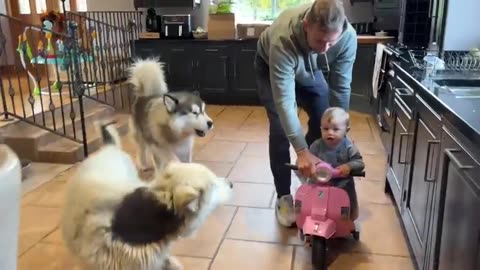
284	48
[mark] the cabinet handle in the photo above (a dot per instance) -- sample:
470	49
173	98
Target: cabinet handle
402	135
428	165
211	50
178	50
450	153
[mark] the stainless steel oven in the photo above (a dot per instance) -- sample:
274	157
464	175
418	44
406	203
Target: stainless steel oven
385	98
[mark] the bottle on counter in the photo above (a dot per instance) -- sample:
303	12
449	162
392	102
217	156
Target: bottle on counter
431	58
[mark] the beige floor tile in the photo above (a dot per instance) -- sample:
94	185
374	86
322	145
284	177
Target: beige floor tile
214	110
207	240
194	263
35	223
256	149
252	169
47	257
256	224
54	238
240	255
353	261
220	151
375	167
257	120
221	169
252	195
50	194
242	135
372	192
232	117
380	232
40	173
370	148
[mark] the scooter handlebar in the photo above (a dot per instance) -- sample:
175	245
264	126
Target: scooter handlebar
354	174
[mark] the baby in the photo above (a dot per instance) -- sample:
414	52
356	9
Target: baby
338	150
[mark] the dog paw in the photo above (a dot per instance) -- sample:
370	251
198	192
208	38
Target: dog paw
173	263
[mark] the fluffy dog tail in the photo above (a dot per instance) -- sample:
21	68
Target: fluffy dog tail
109	133
148	78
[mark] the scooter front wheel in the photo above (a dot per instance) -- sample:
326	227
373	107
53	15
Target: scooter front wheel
319	253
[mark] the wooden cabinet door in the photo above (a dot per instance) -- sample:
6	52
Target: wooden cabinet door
213	65
419	198
459	246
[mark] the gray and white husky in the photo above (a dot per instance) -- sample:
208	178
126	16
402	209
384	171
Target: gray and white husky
164	123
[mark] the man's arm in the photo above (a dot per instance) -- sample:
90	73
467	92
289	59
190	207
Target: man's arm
341	73
282	79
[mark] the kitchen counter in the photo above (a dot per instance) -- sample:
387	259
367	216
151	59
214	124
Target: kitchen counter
463	113
362	39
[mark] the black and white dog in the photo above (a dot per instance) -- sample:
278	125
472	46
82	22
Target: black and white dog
164	123
112	220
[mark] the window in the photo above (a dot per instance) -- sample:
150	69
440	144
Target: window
41	6
67	5
81	5
24	6
247	11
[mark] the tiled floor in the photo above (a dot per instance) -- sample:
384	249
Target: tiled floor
242	234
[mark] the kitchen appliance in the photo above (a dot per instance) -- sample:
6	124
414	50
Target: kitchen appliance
151	24
385	94
176	26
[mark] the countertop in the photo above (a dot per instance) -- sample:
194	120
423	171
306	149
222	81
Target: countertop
463	113
362	39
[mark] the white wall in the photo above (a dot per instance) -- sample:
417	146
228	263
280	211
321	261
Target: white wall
104	5
461	29
7	57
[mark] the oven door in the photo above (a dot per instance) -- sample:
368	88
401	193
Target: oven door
385	105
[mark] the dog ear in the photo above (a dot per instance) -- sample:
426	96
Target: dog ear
170	102
186	198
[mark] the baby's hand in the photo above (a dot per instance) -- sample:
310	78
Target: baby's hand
344	170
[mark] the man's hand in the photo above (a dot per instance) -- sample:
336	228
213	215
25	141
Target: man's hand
344	170
306	163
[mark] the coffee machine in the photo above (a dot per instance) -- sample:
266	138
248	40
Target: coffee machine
153	22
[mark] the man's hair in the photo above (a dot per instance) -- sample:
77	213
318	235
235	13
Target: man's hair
328	14
337	114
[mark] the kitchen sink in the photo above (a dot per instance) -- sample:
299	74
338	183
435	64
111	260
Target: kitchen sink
461	88
458	82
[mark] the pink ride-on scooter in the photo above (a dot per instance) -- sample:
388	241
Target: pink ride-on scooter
323	212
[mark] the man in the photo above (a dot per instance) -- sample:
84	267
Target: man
291	55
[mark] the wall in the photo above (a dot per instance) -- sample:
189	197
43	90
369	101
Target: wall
7	56
104	5
461	29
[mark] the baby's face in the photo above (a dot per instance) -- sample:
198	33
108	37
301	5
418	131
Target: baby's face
333	131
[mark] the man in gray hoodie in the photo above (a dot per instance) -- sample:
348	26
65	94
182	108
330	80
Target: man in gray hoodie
304	45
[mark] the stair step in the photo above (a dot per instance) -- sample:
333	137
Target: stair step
67	151
38	136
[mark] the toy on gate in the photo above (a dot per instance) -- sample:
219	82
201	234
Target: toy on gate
50	51
323	212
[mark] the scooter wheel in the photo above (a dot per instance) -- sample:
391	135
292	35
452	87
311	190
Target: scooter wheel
319	253
356	235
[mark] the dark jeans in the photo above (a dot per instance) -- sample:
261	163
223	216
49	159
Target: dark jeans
313	99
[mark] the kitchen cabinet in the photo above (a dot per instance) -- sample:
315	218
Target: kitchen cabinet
223	71
212	70
400	150
456	236
244	77
420	184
